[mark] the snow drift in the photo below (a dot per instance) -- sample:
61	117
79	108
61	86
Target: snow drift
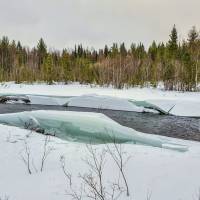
104	102
182	103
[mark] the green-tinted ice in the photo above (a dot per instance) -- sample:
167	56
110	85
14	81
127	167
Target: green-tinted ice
84	127
148	105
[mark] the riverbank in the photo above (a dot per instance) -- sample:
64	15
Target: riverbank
93	96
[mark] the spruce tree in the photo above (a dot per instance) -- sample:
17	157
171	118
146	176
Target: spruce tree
41	47
114	50
153	51
19	46
173	42
133	48
192	35
106	51
171	56
42	51
123	50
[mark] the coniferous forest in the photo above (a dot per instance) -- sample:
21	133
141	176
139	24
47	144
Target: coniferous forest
175	63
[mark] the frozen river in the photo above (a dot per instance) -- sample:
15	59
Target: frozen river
167	125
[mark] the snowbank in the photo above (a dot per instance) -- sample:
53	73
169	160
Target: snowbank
178	103
103	102
163	173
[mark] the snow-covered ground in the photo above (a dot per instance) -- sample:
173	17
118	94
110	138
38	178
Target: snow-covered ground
151	171
182	103
165	174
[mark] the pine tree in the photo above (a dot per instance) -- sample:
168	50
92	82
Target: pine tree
192	36
173	42
19	46
5	62
153	51
42	51
80	50
140	51
106	51
133	48
114	50
153	60
41	47
123	50
171	58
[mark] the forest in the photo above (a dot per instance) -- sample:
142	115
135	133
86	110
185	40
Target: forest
175	63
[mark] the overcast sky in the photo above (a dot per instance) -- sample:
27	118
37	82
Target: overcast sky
62	23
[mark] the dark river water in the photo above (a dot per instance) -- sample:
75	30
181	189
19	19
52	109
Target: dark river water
172	126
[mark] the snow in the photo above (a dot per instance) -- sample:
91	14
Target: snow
76	89
75	94
47	100
180	107
157	164
166	174
103	102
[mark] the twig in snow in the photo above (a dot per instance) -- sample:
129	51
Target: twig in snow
67	174
120	161
26	158
46	151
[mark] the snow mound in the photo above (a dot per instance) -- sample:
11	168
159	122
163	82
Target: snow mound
103	102
47	100
85	128
86	101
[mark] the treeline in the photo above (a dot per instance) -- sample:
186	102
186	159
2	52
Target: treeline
175	63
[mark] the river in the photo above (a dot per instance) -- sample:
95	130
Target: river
166	125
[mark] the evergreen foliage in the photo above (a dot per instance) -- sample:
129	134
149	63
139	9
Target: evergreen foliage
175	63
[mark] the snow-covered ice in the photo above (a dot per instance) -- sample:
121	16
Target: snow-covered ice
85	127
178	103
103	102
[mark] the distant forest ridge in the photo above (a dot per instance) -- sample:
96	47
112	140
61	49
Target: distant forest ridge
175	63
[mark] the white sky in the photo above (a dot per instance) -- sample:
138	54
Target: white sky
62	23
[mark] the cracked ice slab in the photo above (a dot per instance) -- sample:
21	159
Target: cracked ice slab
86	128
